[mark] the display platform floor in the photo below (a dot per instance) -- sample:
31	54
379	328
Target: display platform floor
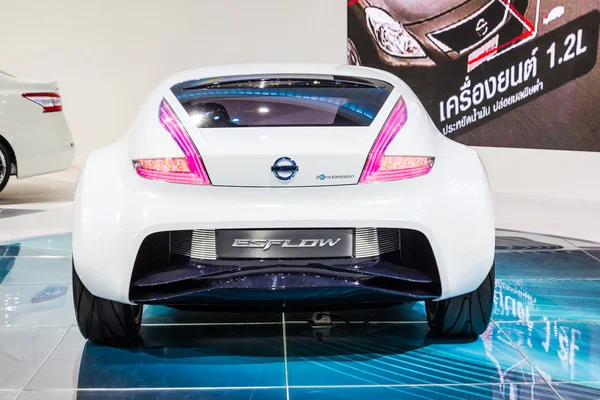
544	342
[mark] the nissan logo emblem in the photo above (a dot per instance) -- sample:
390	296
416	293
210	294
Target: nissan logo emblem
284	168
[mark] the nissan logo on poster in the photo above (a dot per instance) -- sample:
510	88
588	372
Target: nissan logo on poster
473	62
482	27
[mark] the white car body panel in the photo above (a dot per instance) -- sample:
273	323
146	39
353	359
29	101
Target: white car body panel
42	142
115	209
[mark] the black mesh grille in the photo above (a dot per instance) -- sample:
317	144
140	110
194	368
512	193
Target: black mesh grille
416	252
154	254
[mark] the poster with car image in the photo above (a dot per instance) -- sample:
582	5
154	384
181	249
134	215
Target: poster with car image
506	73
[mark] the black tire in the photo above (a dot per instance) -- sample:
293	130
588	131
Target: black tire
104	321
465	316
5	166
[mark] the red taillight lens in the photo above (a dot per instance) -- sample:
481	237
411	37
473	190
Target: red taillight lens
50	102
164	165
188	169
166	169
382	168
394	168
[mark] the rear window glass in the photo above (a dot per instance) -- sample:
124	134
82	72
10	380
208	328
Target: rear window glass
272	100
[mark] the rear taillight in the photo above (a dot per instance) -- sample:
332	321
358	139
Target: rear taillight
50	102
382	168
188	169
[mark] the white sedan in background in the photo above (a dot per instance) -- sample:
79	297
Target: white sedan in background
34	136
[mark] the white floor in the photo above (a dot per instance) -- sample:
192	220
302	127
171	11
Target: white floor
53	194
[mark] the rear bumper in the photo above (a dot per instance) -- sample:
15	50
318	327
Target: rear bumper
46	146
51	160
115	210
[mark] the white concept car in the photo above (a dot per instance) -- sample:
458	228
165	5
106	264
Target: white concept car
34	136
297	186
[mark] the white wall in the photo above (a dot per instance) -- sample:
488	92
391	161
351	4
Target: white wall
544	173
107	55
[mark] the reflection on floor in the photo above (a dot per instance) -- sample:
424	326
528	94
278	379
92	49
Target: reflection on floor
544	342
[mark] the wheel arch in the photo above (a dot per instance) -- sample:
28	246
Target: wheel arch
11	153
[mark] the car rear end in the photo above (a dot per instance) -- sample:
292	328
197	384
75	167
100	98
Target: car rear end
34	126
283	185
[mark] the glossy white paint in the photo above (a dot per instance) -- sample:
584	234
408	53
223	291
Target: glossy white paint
115	209
42	142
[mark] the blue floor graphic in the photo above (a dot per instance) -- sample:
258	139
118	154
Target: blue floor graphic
544	342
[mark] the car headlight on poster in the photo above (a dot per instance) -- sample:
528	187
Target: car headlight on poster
391	36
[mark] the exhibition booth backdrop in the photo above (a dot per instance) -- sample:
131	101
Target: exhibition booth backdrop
507	73
541	62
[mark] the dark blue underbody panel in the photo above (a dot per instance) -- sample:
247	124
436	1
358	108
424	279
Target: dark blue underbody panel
284	282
